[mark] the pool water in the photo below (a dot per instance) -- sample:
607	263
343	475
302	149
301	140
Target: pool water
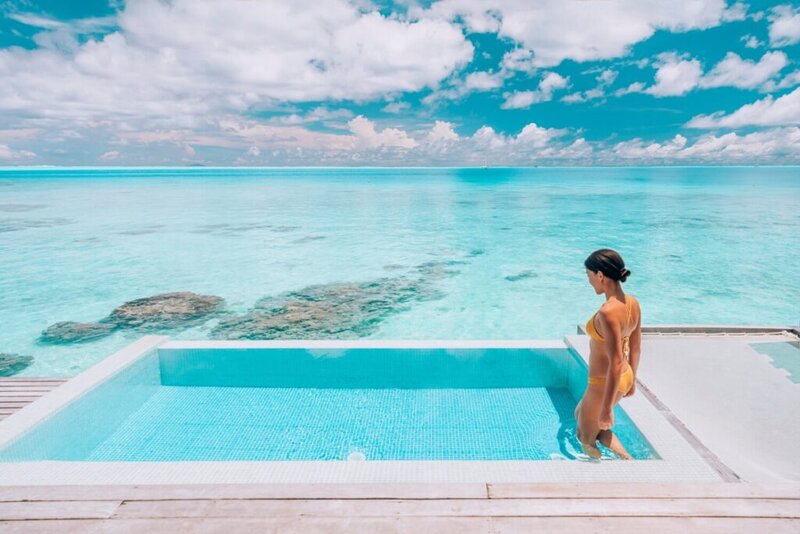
783	355
362	404
491	253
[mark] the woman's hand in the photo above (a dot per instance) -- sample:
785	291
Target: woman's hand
632	390
606	420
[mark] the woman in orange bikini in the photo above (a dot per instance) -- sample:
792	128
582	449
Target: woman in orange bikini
616	335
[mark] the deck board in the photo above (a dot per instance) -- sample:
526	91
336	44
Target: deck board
462	508
16	393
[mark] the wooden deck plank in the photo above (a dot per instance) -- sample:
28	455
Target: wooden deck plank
788	509
17	393
58	510
650	490
413	525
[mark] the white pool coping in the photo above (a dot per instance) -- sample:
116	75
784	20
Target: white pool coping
679	462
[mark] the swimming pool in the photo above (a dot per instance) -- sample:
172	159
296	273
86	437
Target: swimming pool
277	403
65	437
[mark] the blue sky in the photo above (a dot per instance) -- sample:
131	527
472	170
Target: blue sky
449	82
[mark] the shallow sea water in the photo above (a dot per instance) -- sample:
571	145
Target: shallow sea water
705	245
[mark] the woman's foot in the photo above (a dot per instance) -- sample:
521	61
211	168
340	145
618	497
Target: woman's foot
591	450
607	438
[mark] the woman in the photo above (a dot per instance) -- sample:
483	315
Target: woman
616	335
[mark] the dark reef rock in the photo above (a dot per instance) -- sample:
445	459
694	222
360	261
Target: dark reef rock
72	332
332	311
521	276
167	310
11	364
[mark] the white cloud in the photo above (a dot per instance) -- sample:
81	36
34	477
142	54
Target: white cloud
635	87
555	30
483	81
751	41
396	107
737	11
7	153
518	59
179	62
486	137
790	80
367	136
638	149
111	155
536	136
675	75
757	146
604	79
441	131
765	112
318	114
19	133
550	83
737	72
784	28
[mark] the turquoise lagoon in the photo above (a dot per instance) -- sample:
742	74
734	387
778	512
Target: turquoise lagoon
497	253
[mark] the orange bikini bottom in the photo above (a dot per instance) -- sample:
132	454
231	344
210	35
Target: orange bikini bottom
625	380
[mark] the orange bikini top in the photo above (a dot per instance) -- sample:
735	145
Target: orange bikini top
594	334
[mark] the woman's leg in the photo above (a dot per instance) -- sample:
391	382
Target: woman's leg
610	440
587	417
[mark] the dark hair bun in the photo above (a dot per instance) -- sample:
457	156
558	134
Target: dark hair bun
609	262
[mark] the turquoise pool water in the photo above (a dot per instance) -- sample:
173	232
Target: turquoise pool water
783	355
278	404
479	253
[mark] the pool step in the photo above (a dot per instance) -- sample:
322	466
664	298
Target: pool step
16	393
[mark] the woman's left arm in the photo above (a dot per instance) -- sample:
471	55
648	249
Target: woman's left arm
613	331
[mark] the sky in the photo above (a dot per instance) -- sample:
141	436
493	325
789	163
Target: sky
447	82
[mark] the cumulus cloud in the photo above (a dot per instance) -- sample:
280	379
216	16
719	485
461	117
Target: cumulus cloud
483	81
751	41
737	11
441	132
367	136
784	27
768	111
737	72
62	35
555	30
635	87
790	80
551	82
777	142
676	75
176	61
604	79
